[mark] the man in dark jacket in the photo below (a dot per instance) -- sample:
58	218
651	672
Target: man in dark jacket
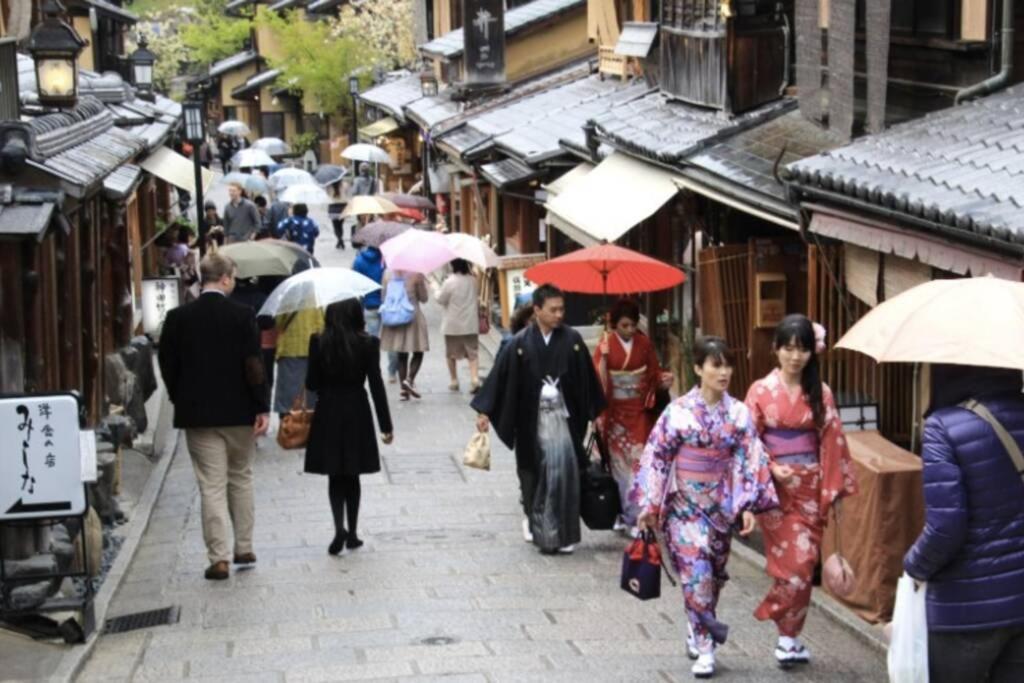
241	217
211	364
971	551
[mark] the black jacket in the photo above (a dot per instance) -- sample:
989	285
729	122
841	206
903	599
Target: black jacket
211	363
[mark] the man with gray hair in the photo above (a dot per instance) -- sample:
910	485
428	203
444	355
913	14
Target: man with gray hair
212	366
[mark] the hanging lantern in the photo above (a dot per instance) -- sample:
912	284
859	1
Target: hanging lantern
142	61
55	46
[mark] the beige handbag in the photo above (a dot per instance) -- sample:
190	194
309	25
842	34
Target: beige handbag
478	452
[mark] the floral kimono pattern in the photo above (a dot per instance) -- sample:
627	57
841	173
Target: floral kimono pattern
701	468
629	381
822	474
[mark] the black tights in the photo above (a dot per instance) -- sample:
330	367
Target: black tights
344	491
407	368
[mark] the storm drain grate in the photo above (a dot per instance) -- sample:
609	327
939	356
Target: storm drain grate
438	641
132	622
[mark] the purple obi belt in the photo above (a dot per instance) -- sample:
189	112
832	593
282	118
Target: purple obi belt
792	446
702	464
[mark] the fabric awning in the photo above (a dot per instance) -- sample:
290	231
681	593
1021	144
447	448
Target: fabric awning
179	171
375	130
562	182
610	200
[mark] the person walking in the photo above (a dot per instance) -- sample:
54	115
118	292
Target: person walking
299	228
631	376
971	551
459	297
705	450
370	262
404	327
210	361
796	416
342	443
545	353
241	217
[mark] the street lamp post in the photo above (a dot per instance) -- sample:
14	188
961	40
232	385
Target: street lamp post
55	46
195	114
353	90
141	63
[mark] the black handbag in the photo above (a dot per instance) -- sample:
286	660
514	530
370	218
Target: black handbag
599	493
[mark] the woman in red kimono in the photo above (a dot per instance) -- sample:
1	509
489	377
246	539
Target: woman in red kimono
630	373
796	416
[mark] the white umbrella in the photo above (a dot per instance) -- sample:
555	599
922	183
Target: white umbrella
248	158
272	146
472	249
304	194
286	177
249	182
368	153
316	288
233	128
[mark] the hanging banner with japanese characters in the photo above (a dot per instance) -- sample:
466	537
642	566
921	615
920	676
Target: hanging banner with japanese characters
159	296
41	460
484	41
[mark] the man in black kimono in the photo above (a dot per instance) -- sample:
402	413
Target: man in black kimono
510	397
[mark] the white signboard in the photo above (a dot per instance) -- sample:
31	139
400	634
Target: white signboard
40	460
517	285
159	295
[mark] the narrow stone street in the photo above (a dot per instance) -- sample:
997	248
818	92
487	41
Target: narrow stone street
444	589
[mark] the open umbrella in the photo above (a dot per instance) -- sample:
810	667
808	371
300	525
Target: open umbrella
328	174
233	128
304	194
606	269
250	183
273	146
409	201
265	257
417	251
369	153
971	321
377	233
316	288
286	177
248	158
369	206
472	249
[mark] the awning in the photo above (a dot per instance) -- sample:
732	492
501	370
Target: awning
25	220
562	182
375	130
892	240
606	203
179	171
689	183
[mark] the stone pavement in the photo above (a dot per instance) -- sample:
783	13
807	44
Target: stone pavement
444	589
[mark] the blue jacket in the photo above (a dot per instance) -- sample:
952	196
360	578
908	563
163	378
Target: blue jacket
369	263
971	551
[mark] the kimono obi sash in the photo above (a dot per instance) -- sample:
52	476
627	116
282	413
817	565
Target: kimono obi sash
627	384
792	446
702	464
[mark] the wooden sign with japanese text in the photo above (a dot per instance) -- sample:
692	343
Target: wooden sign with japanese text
484	41
40	457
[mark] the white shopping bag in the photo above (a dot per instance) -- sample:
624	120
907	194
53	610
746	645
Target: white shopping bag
908	649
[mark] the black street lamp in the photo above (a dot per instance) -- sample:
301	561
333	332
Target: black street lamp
55	46
353	90
142	61
195	115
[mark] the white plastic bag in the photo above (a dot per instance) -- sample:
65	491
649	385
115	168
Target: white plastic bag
908	649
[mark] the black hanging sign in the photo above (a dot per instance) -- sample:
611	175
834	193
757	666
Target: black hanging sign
484	33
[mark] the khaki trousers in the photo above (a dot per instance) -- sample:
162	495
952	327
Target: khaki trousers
222	458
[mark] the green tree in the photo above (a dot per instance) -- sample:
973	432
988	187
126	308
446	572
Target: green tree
213	35
385	26
169	49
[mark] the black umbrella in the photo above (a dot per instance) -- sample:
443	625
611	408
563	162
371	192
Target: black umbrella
377	233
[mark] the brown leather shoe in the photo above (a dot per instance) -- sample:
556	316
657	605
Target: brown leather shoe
245	558
218	571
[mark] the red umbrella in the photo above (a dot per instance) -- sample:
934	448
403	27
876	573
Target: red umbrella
606	269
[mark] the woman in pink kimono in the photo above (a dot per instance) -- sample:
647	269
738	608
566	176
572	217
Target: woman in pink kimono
795	414
703	474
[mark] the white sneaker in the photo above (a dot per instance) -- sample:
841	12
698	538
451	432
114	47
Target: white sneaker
691	645
619	524
704	667
527	534
791	651
568	550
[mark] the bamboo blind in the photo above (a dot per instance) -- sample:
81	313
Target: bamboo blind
725	305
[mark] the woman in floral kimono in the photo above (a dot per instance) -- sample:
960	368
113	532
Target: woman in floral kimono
630	374
703	474
796	416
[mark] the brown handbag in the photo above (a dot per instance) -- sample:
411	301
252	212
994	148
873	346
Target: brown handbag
294	429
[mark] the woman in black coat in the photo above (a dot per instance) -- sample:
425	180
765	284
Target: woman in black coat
342	442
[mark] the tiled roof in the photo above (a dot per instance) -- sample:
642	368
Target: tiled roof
636	39
508	172
25	219
395	95
256	81
122	181
430	111
87	163
282	5
233	62
107	87
325	6
668	130
452	44
960	168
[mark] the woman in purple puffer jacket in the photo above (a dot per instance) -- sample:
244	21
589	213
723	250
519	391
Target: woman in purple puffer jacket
971	552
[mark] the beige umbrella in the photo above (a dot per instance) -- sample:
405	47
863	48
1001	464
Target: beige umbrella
971	321
364	206
472	249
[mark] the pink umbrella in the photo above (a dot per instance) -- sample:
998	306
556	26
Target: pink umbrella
417	251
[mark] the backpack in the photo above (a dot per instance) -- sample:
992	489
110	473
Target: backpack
397	309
